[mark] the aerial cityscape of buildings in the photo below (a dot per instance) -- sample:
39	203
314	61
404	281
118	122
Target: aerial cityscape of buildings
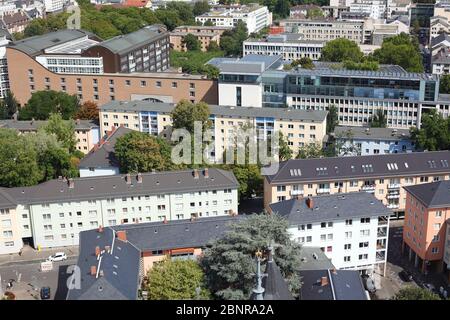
351	99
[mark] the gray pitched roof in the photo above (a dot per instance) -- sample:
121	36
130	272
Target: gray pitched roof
224	111
331	207
250	64
34	125
6	201
104	187
177	234
440	38
274	284
104	156
130	41
36	45
313	258
118	269
341	168
372	133
433	195
340	285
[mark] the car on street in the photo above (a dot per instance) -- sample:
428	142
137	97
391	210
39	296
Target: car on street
369	284
405	276
45	293
59	256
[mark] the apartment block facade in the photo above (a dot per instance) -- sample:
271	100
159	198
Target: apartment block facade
299	127
204	34
52	214
382	175
425	229
350	228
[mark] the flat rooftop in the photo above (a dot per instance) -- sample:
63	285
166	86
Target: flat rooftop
366	133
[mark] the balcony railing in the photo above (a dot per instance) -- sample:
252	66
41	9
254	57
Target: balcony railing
393	196
393	206
381	256
296	192
323	190
394	186
368	187
382	221
382	232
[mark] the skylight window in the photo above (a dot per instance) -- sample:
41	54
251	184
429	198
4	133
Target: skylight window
444	163
295	172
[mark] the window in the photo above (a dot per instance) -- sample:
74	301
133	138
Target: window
323	224
143	83
435	250
46	216
364	256
364	244
436	238
6	223
348	246
329	249
48	227
48	238
7	234
438	214
309	226
365	233
365	220
323	237
301	239
308	239
301	227
281	188
348	235
330	236
158	84
128	82
348	222
437	226
347	259
174	84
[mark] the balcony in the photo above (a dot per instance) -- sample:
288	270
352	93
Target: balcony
368	188
394	186
381	256
323	191
393	196
382	232
381	244
382	221
296	192
393	206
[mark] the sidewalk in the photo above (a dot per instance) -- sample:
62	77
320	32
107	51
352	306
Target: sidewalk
31	255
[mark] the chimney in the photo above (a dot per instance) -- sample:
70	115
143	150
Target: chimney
323	281
310	202
100	229
122	235
139	177
93	271
128	178
195	174
77	121
71	183
206	173
334	271
97	251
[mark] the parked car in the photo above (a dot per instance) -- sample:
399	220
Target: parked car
369	284
45	293
59	256
406	276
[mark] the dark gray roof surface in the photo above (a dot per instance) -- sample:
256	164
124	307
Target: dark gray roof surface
35	45
274	284
340	168
177	234
104	187
440	38
342	285
250	64
372	133
103	156
313	258
6	201
331	207
120	268
133	40
226	111
433	195
33	125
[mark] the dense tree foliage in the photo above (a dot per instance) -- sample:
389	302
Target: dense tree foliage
340	50
285	152
378	120
8	106
43	103
200	7
312	150
231	40
366	64
191	42
63	130
415	293
176	280
193	62
401	50
332	118
444	84
434	132
87	111
185	114
229	262
141	152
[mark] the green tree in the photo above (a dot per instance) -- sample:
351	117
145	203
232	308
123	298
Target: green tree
186	113
444	84
176	280
141	152
231	40
229	262
414	293
200	7
10	105
366	64
400	50
43	103
341	49
434	132
249	179
64	131
88	111
282	8
314	13
312	150
191	42
332	118
304	62
18	161
208	23
285	152
213	46
378	120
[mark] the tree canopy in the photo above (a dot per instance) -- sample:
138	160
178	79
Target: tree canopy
378	120
140	152
312	150
43	103
176	280
186	113
8	106
191	42
87	111
340	50
414	293
444	84
231	40
229	262
332	118
64	131
434	132
193	62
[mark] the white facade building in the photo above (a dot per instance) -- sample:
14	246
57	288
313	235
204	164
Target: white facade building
72	64
375	9
52	214
351	228
4	78
256	17
54	5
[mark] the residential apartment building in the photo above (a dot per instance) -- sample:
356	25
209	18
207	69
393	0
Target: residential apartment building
364	141
290	46
4	77
254	16
425	229
59	61
375	9
350	228
54	6
87	132
53	213
299	127
204	34
15	22
446	260
438	25
382	175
